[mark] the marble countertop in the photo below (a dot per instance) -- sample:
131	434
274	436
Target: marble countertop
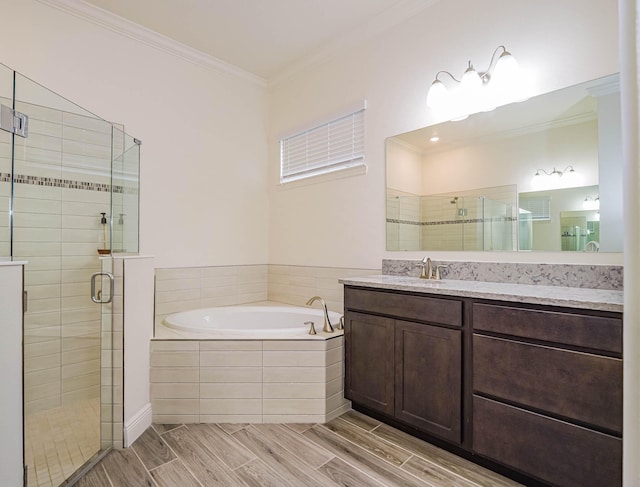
572	297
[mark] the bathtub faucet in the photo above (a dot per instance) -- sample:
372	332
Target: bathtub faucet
327	324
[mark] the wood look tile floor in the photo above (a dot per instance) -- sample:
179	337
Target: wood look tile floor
352	450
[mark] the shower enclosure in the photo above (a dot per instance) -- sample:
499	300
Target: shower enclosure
449	222
61	170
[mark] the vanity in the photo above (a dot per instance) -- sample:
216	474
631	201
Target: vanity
526	379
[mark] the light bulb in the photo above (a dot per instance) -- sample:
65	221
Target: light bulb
437	94
589	204
506	68
504	79
536	180
470	80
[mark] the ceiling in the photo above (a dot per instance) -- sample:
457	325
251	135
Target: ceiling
263	37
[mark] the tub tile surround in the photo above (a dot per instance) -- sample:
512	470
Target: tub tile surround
296	284
186	288
247	381
568	275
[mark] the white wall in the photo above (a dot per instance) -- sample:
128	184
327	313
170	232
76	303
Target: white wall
405	174
138	330
341	222
11	378
204	132
613	225
515	161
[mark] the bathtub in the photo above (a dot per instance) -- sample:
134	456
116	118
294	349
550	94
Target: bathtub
252	321
247	364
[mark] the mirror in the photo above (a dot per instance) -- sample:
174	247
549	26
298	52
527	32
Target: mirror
472	184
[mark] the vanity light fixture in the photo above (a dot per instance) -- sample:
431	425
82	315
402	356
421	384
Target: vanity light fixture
481	90
555	173
590	203
552	179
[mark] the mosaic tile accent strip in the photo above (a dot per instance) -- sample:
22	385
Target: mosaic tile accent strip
64	183
453	222
569	275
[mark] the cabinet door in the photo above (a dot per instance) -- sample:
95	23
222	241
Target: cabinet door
428	382
369	361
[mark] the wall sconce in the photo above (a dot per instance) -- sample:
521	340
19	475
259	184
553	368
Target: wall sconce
553	179
481	91
590	203
555	173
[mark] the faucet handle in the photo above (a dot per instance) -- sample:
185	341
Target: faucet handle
438	267
312	328
340	325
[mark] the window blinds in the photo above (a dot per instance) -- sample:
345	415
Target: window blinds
332	146
539	207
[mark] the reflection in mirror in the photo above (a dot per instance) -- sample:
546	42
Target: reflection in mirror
474	188
560	219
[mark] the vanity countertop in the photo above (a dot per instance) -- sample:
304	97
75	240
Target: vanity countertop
571	297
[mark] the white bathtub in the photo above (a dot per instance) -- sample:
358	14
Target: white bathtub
256	322
247	364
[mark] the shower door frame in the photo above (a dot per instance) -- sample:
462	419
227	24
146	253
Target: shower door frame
107	419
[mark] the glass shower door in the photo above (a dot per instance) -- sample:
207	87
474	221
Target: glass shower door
6	148
61	219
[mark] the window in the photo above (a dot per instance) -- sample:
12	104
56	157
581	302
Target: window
539	207
329	147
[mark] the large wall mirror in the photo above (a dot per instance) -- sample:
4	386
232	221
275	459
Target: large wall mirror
544	174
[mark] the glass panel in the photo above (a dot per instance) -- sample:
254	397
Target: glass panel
125	183
62	177
6	98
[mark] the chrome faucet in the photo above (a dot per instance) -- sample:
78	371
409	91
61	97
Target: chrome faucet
327	328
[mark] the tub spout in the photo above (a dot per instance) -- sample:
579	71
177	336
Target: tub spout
327	328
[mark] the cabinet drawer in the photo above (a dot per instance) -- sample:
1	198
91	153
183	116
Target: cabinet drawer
596	332
575	385
550	450
421	308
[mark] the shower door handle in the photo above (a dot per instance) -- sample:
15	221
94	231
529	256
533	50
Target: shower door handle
97	298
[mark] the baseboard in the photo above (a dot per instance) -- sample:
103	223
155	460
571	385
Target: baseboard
137	425
338	411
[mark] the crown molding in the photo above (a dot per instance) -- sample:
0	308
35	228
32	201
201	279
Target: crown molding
124	27
376	25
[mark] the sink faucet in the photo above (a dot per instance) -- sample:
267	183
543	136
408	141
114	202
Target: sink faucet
327	328
427	269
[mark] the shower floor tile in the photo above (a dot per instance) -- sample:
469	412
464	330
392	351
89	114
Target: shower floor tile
58	441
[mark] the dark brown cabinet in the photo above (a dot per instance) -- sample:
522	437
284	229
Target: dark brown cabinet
554	451
547	393
535	389
428	378
408	370
369	374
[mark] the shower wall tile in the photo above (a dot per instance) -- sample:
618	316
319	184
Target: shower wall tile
62	325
